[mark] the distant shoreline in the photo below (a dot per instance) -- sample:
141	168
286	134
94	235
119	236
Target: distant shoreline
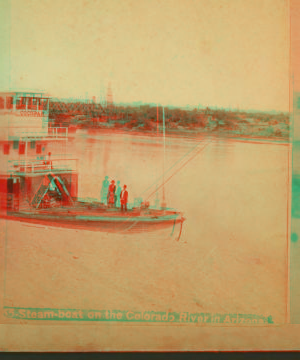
194	123
183	134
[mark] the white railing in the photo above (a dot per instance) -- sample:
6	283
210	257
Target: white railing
58	132
43	166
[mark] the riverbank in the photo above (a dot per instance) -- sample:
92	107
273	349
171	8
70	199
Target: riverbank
188	123
183	134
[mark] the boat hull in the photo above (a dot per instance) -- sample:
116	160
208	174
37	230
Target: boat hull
94	222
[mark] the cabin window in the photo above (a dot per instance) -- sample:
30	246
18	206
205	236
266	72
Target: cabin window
21	103
22	148
38	148
9	102
32	144
1	102
29	103
6	149
43	104
16	144
32	103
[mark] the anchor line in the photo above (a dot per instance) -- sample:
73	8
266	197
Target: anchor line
173	228
180	231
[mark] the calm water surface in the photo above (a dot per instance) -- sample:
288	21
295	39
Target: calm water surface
232	253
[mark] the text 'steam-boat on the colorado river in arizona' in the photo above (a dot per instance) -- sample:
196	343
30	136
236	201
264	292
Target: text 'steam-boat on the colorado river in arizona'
39	182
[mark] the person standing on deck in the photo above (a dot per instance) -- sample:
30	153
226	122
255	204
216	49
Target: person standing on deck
104	190
124	198
111	194
118	194
49	162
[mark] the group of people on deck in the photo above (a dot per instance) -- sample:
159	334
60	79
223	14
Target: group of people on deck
113	194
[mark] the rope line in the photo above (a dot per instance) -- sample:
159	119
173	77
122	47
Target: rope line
177	162
191	158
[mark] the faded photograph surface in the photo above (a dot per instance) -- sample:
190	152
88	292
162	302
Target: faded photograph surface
145	163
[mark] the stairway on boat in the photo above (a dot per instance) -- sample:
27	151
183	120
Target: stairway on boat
39	195
58	194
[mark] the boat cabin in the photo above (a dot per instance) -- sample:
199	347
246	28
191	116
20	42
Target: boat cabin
23	112
34	155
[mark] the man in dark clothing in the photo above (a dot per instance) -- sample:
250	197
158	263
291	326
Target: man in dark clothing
10	185
10	192
111	194
124	198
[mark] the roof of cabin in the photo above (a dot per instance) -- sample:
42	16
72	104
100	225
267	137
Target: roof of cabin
37	93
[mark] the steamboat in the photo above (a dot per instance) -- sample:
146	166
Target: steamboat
39	180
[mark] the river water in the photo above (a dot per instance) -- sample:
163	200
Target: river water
232	254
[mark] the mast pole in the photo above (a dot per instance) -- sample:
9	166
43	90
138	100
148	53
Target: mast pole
157	142
163	205
157	121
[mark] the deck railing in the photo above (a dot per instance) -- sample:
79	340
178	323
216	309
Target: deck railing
58	132
45	133
44	166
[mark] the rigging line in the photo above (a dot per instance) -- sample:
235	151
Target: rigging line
170	168
169	178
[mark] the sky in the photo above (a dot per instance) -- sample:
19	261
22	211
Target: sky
225	53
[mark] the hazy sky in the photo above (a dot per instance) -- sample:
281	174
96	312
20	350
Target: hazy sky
227	53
